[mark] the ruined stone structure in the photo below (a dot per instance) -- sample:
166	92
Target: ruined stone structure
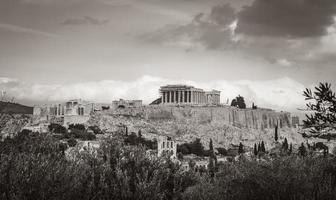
121	103
295	121
185	94
166	145
71	112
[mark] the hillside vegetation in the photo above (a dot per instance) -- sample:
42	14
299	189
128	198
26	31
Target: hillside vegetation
14	108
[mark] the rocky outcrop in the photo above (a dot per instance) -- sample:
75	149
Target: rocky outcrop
224	125
11	124
241	118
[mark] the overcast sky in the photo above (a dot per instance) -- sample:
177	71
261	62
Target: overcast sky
100	50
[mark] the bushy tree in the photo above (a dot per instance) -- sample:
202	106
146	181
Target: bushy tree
56	128
222	151
323	103
239	102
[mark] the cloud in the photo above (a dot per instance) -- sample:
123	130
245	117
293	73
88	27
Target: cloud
86	20
212	31
19	29
287	18
280	94
284	62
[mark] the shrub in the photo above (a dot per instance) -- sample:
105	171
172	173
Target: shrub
77	127
84	135
56	128
72	142
222	151
96	130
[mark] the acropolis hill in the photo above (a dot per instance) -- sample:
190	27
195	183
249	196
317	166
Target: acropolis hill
183	112
226	125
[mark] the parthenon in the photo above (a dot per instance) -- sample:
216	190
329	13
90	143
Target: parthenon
185	94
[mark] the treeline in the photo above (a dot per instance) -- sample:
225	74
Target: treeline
75	131
137	139
34	166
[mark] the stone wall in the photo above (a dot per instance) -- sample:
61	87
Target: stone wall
242	118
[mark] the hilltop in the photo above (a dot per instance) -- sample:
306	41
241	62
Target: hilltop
224	125
15	108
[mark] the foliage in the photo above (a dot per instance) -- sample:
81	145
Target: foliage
81	134
239	102
80	127
72	142
35	166
134	139
323	103
56	128
285	145
276	136
255	150
288	177
195	147
222	151
254	106
96	130
302	150
241	148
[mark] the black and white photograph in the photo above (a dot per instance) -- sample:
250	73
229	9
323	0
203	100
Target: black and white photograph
167	99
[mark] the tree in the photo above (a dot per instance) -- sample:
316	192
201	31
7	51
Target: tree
285	145
263	149
240	148
254	106
239	102
276	133
72	142
196	147
255	150
290	149
302	150
212	160
323	103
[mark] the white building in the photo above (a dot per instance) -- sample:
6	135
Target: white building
166	146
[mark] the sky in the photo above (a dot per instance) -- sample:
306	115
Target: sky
268	51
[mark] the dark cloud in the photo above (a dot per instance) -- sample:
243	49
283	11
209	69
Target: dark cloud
85	21
288	18
210	30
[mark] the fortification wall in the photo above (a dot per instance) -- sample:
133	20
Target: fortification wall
241	118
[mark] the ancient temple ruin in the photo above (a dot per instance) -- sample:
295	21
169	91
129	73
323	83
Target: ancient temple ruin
185	94
73	111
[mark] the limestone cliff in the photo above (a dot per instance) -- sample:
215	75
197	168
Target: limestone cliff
225	125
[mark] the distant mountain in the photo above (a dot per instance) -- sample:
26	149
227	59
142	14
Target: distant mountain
14	108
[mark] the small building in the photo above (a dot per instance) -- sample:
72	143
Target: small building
295	121
166	146
186	94
121	103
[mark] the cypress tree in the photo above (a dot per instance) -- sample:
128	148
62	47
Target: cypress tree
241	148
212	160
255	150
302	150
290	149
263	149
276	133
285	145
